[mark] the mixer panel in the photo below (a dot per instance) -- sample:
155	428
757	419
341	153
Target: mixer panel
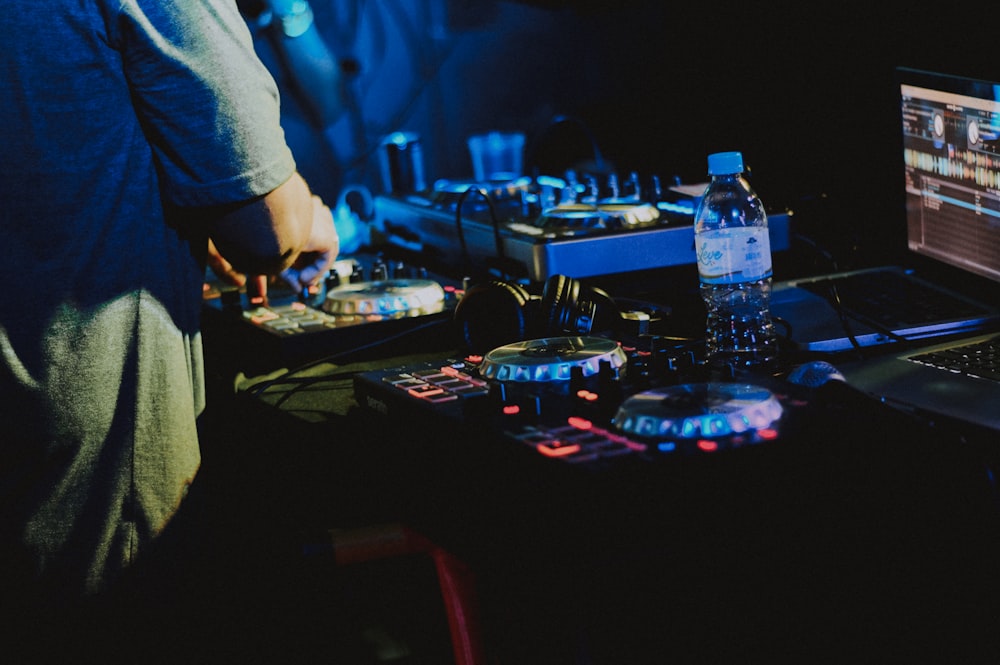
365	301
589	401
543	226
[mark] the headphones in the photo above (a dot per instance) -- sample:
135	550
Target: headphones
497	313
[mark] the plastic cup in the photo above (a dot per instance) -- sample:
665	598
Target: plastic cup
497	155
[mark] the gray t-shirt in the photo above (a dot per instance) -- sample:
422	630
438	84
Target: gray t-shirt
120	117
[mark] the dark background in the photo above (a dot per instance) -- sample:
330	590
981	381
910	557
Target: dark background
804	90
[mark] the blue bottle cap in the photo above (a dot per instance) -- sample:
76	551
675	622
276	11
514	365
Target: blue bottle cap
720	163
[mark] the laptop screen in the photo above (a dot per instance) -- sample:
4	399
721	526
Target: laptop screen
951	156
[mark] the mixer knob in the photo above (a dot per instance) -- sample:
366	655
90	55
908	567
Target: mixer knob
380	271
610	389
357	275
613	188
639	366
634	187
593	191
568	195
656	195
549	191
671	359
607	374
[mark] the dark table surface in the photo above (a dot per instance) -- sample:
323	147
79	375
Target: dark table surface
861	527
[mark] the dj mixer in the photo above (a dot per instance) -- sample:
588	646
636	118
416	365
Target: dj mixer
580	397
526	230
579	225
366	302
592	402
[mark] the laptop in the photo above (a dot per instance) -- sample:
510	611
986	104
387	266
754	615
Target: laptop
951	162
950	191
924	381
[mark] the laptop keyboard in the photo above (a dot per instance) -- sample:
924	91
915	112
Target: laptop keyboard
979	359
891	301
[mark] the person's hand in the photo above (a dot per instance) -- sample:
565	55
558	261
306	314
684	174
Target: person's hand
222	268
312	264
256	285
319	253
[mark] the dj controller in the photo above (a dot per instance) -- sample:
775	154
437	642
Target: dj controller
536	227
427	246
569	392
366	301
577	393
592	402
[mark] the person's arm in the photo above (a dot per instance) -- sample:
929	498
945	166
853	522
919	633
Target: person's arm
288	231
210	111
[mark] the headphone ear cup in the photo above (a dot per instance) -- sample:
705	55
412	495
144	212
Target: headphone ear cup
558	305
494	314
567	307
607	316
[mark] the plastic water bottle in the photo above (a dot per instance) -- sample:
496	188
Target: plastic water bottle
734	267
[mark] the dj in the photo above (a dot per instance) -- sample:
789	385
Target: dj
134	132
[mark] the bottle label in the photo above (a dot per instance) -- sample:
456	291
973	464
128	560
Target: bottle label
728	256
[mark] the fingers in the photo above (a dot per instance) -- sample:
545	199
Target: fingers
323	234
222	268
321	250
317	257
310	274
257	291
316	270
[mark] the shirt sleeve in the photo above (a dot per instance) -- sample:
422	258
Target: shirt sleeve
207	104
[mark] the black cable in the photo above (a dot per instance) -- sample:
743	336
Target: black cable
777	320
834	298
306	382
494	221
466	259
288	376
